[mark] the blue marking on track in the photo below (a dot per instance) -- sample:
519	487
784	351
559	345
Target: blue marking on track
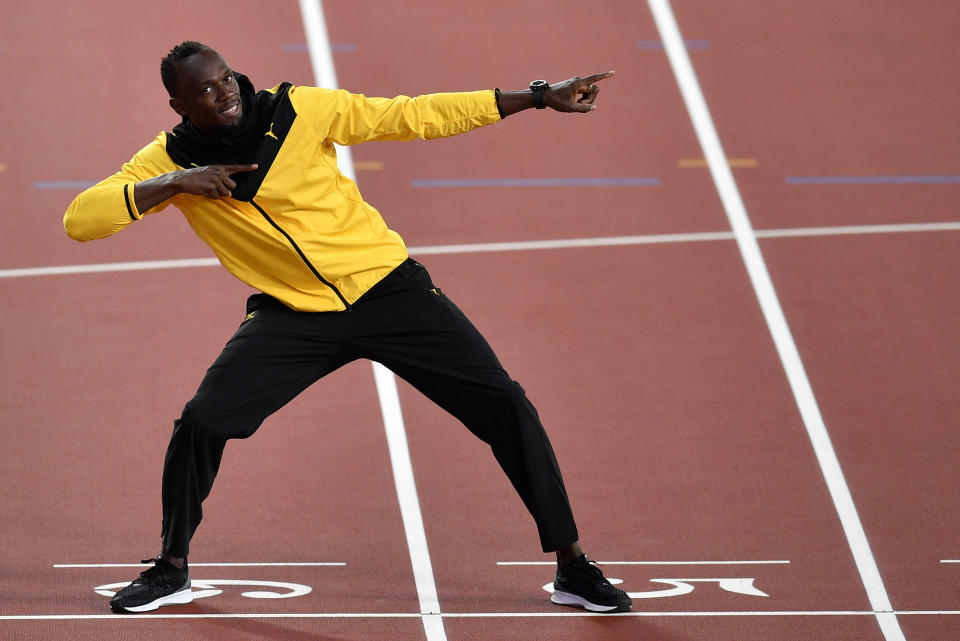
657	45
872	180
536	182
336	47
63	184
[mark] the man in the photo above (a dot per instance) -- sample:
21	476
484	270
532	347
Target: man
255	175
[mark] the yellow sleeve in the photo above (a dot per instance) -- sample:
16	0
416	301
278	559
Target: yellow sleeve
346	118
109	206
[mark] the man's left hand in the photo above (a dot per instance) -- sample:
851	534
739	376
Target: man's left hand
576	94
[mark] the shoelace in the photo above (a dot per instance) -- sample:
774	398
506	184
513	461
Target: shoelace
587	565
151	570
603	585
165	573
158	569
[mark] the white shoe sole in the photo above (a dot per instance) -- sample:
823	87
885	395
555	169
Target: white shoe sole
182	597
565	598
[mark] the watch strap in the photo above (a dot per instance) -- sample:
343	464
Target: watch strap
538	88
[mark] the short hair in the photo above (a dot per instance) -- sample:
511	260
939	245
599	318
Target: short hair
168	66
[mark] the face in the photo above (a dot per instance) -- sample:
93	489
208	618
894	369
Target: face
207	93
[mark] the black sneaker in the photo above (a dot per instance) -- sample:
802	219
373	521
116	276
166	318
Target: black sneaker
582	584
163	584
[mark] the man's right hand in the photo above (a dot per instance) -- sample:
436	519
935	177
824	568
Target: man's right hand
212	181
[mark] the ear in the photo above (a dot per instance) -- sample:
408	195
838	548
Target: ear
178	106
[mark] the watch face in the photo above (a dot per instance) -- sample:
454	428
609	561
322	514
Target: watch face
539	89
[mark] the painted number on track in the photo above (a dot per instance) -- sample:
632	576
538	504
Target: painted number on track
208	587
685	586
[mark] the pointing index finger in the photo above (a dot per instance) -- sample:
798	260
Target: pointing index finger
236	169
597	76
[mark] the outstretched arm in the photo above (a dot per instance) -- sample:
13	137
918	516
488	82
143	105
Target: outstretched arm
574	95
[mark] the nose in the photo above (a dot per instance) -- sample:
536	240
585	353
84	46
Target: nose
224	92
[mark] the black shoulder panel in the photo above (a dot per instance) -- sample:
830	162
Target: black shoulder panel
277	128
274	116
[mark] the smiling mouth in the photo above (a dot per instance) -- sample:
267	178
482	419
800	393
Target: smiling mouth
232	109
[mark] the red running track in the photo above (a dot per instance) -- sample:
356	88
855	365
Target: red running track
650	362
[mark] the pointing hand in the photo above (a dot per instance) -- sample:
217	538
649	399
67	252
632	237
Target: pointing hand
576	94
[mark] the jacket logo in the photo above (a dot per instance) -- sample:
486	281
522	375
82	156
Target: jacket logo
270	133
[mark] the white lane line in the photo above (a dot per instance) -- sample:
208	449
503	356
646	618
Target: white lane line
571	243
777	562
467	615
406	489
468	248
898	228
745	613
207	565
107	267
776	321
321	57
324	71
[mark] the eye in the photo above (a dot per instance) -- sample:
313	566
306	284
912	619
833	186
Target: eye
206	90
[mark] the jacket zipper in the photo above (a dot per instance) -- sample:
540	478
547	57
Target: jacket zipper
303	256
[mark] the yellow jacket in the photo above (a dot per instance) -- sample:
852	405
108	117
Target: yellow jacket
306	236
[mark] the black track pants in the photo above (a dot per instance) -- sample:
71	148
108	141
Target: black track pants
405	324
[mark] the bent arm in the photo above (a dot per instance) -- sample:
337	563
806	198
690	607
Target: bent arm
144	185
154	191
212	181
115	202
103	209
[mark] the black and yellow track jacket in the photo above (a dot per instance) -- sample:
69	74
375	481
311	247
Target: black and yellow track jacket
296	229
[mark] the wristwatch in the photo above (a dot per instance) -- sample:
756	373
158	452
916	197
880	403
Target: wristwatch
539	87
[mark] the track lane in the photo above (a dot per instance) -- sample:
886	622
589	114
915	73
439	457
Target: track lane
678	438
880	344
869	311
488	214
312	485
623	138
827	88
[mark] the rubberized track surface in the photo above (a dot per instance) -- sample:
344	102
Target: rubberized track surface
692	459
